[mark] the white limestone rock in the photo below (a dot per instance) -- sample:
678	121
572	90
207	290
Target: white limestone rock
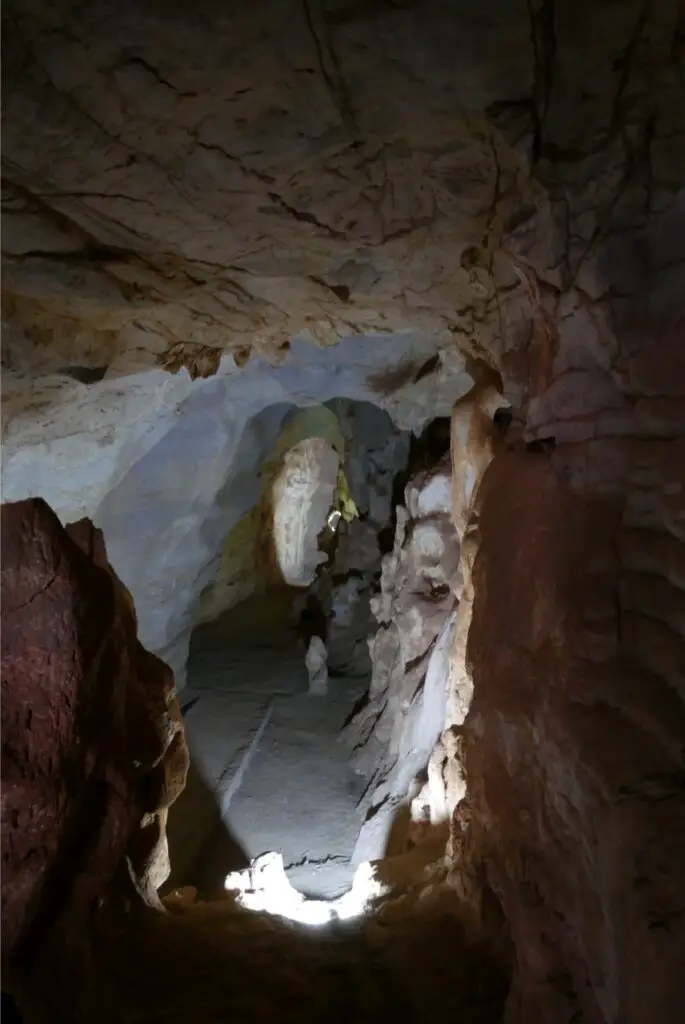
316	660
302	498
394	734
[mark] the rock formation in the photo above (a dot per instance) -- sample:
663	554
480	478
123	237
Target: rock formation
376	456
302	497
574	755
571	836
93	754
212	215
93	748
394	733
247	565
316	660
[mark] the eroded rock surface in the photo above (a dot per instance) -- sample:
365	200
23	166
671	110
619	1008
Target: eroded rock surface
575	761
174	210
575	743
376	457
507	180
394	733
301	499
93	748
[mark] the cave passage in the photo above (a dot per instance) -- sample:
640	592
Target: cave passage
247	251
268	749
276	669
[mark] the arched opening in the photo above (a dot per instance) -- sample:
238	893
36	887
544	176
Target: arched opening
279	657
217	215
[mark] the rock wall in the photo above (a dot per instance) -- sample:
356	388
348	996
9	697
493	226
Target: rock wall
169	217
212	201
376	455
169	468
301	499
93	746
393	735
246	564
508	181
574	747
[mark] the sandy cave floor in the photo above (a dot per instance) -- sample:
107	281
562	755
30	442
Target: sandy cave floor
268	772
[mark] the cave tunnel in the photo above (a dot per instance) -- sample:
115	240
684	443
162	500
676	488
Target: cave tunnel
304	561
343	530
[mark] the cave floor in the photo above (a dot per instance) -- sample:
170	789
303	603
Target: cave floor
267	771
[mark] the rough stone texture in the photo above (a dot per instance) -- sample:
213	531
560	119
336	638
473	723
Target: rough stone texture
301	499
316	661
246	565
212	198
177	478
395	731
575	756
376	454
473	176
93	749
575	743
506	177
241	966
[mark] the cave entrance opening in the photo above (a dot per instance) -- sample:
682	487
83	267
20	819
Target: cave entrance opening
279	656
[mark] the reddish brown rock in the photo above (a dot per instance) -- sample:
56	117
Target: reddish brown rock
93	749
574	756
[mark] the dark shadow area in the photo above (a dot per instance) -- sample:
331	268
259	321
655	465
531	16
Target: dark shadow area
267	619
359	705
85	374
312	621
430	446
201	849
8	1010
502	419
541	446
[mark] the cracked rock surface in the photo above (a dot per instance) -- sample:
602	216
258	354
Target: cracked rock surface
392	735
211	213
183	195
269	773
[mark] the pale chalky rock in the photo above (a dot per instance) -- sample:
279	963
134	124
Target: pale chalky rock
316	660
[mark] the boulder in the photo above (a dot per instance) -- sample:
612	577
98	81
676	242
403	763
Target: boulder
93	747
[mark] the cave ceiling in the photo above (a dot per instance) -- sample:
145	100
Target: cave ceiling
182	181
210	209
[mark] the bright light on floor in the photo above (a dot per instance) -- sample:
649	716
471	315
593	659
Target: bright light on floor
264	886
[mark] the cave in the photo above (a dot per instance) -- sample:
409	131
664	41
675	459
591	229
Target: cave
343	516
294	547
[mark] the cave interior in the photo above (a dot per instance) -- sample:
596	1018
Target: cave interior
343	511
